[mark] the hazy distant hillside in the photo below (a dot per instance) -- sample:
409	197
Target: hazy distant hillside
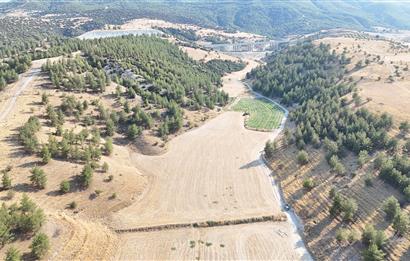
273	18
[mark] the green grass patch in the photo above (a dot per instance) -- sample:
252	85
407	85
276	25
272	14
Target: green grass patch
263	115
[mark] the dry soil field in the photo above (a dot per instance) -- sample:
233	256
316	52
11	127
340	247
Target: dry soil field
213	172
151	23
384	84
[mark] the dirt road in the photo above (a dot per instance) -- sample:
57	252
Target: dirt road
15	91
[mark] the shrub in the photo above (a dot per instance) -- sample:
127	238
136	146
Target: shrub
368	181
406	192
13	254
372	236
133	132
108	147
339	169
110	127
404	127
44	98
302	157
373	253
29	217
345	206
40	245
86	175
27	134
349	208
45	154
72	205
342	234
269	149
38	178
406	147
380	160
105	167
401	223
308	183
65	186
6	181
391	207
362	158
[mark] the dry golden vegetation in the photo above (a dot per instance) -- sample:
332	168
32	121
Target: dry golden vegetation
313	206
381	70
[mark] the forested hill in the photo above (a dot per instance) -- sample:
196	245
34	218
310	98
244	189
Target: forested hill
338	150
272	18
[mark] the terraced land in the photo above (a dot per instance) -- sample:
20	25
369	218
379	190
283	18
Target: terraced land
263	115
312	206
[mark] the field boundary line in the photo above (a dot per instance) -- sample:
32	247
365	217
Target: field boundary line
205	224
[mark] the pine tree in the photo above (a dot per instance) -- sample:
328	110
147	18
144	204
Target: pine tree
6	181
391	207
65	186
40	245
45	154
373	253
13	254
108	147
401	223
86	175
38	178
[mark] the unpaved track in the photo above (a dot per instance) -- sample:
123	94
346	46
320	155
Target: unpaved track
211	173
16	90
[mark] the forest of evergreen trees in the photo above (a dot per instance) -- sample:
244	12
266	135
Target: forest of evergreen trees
156	70
310	79
11	68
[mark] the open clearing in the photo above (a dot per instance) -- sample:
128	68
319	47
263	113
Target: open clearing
263	115
383	84
213	173
145	23
267	241
217	168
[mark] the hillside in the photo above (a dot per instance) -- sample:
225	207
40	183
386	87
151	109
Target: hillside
338	163
278	18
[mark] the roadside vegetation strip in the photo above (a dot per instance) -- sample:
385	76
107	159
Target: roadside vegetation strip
205	224
263	114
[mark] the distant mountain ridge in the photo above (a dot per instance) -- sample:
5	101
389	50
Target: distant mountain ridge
271	18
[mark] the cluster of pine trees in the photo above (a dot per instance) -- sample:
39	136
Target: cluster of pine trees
172	73
23	219
76	75
11	68
396	171
310	78
159	72
224	66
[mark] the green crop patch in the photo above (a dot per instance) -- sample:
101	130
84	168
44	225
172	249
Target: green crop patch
263	115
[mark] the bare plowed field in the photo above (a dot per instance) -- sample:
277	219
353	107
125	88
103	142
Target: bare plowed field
265	241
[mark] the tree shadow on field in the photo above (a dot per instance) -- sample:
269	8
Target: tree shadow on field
252	164
24	187
30	164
